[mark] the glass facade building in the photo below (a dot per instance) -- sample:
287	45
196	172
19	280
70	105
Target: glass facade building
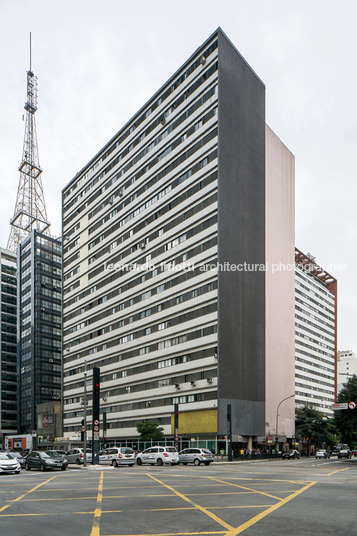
39	321
8	387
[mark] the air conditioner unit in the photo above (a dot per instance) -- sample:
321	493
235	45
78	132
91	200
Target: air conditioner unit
120	193
104	398
142	245
202	60
193	383
178	386
111	201
50	360
209	380
163	121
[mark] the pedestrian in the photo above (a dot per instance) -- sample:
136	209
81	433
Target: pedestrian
222	454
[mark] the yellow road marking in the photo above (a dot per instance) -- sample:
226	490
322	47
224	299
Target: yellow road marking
338	471
243	487
26	493
98	510
201	508
87	498
174	533
260	516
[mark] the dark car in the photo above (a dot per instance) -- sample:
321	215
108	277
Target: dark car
291	454
44	460
345	453
57	452
19	457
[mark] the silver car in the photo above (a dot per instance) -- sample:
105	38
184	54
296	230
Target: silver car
195	456
77	456
117	456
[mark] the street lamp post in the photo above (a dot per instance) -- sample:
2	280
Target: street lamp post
277	421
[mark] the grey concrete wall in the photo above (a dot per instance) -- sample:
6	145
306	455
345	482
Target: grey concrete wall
241	227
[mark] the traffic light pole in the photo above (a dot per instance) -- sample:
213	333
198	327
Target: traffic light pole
84	429
229	432
96	409
176	425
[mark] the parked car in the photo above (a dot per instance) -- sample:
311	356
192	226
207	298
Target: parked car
18	456
322	454
158	455
345	453
9	464
291	454
117	456
77	455
195	456
61	452
43	461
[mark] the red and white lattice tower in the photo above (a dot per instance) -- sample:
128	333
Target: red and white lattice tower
30	209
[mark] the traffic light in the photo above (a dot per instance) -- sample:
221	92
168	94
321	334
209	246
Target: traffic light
176	417
96	392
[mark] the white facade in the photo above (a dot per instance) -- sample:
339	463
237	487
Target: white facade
138	221
314	342
346	367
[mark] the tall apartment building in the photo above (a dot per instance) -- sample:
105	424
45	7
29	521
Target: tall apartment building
165	234
8	376
39	328
346	367
316	335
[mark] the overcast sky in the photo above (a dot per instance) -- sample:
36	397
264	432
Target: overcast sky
98	62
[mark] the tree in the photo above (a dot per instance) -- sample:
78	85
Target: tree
314	428
150	430
346	419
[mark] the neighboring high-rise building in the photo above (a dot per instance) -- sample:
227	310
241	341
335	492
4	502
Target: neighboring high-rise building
346	367
8	375
39	327
316	335
165	286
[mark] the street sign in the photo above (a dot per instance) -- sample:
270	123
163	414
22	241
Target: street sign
83	428
96	428
96	435
341	405
96	422
352	405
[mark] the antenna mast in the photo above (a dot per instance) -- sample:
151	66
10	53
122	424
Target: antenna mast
30	209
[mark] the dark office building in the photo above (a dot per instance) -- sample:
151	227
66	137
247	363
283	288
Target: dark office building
8	406
39	321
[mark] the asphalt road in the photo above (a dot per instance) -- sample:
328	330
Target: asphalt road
304	497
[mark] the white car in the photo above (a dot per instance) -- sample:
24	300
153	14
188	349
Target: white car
322	454
9	464
158	455
117	456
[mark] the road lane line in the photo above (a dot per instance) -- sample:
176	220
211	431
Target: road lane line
174	533
248	489
98	510
201	508
260	516
338	471
26	493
